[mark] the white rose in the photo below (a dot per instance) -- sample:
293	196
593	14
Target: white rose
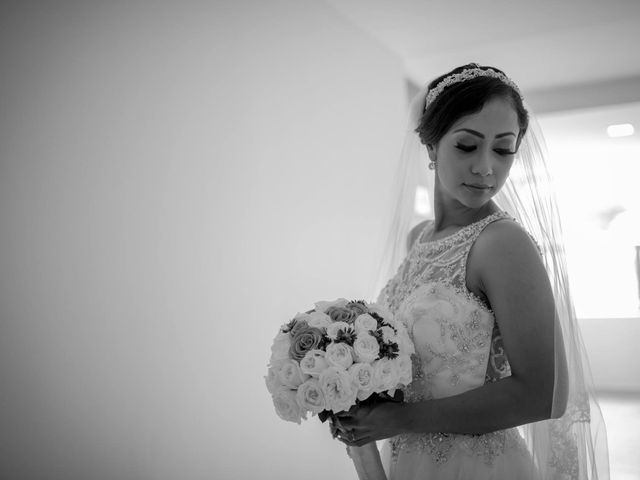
362	376
339	355
301	316
366	348
280	348
318	320
404	369
388	334
290	374
272	380
323	306
338	390
313	363
310	396
365	322
287	406
393	322
332	329
386	375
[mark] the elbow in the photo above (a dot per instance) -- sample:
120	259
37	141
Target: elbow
557	411
551	409
552	404
545	400
559	401
547	391
560	392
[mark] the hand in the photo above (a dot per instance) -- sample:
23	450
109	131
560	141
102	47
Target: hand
367	423
335	427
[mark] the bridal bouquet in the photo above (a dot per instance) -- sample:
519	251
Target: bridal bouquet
335	356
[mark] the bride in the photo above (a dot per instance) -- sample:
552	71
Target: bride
500	382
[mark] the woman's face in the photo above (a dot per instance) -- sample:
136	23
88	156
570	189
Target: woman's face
474	157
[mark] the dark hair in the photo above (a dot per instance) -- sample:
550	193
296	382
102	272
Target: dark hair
465	98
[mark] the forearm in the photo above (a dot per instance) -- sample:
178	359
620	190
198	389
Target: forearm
494	406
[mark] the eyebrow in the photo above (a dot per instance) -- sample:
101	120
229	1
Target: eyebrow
478	134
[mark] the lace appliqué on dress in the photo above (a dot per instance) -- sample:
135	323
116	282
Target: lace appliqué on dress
443	447
452	337
564	458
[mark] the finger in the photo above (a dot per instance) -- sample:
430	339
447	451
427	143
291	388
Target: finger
346	436
356	442
350	424
355	411
343	415
345	423
351	411
346	440
338	430
341	436
363	441
354	436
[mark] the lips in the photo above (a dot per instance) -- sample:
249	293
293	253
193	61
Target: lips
479	186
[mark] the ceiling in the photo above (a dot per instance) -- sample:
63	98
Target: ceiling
542	44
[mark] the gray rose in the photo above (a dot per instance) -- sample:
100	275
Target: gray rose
342	314
305	339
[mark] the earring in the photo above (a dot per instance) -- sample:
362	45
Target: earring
432	165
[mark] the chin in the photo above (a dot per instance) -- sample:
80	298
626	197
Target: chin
475	203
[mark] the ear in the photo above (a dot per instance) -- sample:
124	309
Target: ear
431	150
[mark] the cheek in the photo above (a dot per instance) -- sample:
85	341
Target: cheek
503	171
450	167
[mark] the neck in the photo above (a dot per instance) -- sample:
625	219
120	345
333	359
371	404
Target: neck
450	213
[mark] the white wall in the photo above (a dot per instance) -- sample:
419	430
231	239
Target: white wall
176	181
612	346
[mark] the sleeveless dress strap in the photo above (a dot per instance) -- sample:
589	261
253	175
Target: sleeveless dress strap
478	228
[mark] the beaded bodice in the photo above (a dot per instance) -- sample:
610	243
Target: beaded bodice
442	260
457	342
445	320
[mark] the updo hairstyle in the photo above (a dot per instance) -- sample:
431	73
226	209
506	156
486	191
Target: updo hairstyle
465	98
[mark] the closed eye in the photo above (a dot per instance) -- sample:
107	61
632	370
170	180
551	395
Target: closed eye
471	148
465	148
504	151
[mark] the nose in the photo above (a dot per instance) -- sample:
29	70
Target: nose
482	164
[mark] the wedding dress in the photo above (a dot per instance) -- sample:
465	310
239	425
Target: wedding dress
458	343
458	348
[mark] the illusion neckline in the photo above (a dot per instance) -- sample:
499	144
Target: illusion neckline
421	241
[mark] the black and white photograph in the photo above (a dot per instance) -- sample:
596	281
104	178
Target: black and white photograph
319	239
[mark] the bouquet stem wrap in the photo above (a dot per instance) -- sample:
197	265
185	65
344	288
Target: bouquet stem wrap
367	462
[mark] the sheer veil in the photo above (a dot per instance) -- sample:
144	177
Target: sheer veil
573	445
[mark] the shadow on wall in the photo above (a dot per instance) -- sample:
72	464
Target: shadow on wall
176	182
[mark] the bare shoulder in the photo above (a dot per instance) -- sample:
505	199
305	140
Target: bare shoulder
415	231
506	237
503	252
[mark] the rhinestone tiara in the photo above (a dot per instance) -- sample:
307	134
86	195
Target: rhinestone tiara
465	75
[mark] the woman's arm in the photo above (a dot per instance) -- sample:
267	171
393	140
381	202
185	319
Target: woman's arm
504	266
